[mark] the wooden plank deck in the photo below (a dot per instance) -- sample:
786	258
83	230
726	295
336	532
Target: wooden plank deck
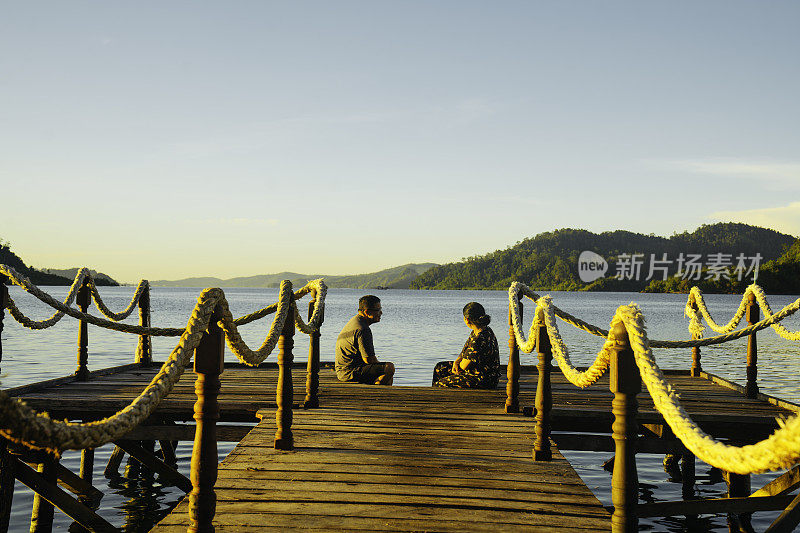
719	410
399	459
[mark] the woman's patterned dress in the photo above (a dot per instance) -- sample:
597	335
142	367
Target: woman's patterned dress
480	348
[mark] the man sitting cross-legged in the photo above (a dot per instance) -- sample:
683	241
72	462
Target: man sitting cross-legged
355	354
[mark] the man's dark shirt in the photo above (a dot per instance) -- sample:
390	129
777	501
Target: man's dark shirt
353	346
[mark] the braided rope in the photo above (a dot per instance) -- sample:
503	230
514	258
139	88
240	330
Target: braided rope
63	308
286	304
770	320
238	346
318	286
25	283
779	451
91	319
528	345
561	353
122	315
20	423
696	327
320	291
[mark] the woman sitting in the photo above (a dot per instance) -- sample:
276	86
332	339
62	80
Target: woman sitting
478	366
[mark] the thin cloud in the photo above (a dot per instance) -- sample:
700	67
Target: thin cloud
784	218
781	175
255	136
241	221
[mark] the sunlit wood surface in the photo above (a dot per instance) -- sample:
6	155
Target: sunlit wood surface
719	410
398	458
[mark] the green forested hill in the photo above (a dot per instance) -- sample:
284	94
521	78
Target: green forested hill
782	275
549	261
7	257
47	276
70	273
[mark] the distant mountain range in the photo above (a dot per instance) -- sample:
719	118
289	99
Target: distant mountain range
70	273
547	261
392	278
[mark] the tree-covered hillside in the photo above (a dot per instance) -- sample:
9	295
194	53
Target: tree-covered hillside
7	257
549	261
99	278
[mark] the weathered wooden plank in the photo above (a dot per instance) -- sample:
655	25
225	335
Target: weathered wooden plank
234	487
367	442
784	484
395	464
252	513
716	505
56	496
225	432
147	458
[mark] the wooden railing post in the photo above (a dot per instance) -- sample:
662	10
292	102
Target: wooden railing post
688	474
312	371
144	352
751	388
696	368
626	383
544	395
208	365
87	464
82	299
43	510
512	372
738	486
3	301
284	440
6	484
6	461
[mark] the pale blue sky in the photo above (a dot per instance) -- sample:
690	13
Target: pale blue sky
171	139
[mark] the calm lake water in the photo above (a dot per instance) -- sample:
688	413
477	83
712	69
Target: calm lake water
418	329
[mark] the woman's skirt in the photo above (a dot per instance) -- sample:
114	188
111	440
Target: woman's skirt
443	376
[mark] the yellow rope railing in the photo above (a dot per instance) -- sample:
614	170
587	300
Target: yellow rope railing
20	423
781	450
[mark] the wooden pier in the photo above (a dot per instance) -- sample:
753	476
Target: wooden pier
335	456
400	458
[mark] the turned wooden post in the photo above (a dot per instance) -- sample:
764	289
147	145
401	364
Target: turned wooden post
626	383
738	486
751	388
144	352
312	371
696	369
544	394
3	301
6	484
87	464
42	514
284	440
688	475
82	299
512	372
208	365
